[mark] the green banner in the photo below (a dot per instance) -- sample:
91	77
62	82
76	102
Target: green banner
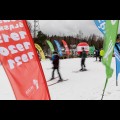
109	43
91	50
50	45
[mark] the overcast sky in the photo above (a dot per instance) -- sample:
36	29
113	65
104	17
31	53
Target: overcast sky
69	27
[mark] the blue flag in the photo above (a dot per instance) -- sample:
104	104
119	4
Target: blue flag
58	47
101	25
117	57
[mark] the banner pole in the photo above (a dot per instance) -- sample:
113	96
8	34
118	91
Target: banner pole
116	82
104	89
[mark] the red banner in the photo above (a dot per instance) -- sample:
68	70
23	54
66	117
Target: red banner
20	61
66	47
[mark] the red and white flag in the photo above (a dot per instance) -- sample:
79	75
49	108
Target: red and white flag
20	61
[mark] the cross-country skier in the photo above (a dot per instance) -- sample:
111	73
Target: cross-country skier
83	58
55	60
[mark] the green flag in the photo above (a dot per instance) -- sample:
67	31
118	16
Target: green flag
50	45
91	50
109	43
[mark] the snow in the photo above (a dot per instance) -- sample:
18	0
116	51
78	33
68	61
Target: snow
6	92
80	86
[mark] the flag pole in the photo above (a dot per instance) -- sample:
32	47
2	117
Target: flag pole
104	89
116	74
116	82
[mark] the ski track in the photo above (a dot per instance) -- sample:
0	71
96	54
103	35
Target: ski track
87	85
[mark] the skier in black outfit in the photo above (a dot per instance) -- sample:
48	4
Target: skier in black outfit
55	60
96	54
83	58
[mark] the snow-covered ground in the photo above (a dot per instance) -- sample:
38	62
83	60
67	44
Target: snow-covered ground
80	86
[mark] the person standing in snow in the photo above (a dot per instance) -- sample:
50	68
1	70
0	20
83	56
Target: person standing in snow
101	54
55	60
96	54
83	58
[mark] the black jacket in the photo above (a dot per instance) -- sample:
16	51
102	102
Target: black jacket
55	59
83	55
